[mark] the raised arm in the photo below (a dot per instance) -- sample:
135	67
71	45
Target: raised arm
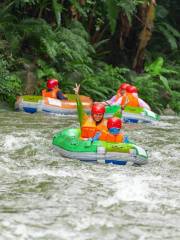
80	110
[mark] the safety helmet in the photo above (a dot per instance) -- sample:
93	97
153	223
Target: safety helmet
123	86
114	122
51	83
98	108
131	89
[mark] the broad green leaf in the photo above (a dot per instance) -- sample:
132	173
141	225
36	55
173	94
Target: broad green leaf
171	29
165	83
155	68
112	13
57	7
169	36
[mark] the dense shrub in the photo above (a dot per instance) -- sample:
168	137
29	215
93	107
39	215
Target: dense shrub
10	83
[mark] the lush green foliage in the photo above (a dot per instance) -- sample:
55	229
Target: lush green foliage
89	42
156	85
10	83
104	82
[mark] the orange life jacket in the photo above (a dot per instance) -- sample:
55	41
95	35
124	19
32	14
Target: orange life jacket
89	127
50	94
129	100
108	137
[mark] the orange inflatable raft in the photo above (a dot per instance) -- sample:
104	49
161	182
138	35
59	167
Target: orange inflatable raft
33	104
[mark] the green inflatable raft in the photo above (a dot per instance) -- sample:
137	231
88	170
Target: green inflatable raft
70	145
133	114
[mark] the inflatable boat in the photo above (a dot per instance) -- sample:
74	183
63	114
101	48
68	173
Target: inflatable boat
33	104
133	114
70	145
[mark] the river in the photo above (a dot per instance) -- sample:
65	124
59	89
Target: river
46	197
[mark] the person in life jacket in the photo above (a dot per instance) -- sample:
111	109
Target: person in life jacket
53	90
123	88
113	134
133	90
94	123
120	92
128	99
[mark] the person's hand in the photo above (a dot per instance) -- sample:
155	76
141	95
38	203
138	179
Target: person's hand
126	139
76	89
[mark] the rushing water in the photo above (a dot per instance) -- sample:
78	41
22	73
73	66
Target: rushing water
44	196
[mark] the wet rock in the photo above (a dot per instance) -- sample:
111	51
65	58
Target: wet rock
169	111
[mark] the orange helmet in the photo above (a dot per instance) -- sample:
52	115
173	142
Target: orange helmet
51	83
98	108
114	122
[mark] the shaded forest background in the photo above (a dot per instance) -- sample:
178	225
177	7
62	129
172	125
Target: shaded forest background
99	44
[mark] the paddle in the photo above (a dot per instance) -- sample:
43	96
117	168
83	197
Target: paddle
96	137
80	110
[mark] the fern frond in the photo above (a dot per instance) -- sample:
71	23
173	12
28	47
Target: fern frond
169	37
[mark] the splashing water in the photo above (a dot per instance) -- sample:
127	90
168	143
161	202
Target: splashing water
44	196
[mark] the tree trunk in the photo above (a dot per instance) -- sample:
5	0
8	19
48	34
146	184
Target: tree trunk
124	29
30	79
147	17
74	13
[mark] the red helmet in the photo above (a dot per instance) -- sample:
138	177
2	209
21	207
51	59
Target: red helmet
51	83
114	122
98	108
123	86
131	89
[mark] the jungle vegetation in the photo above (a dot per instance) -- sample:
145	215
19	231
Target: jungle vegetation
98	43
